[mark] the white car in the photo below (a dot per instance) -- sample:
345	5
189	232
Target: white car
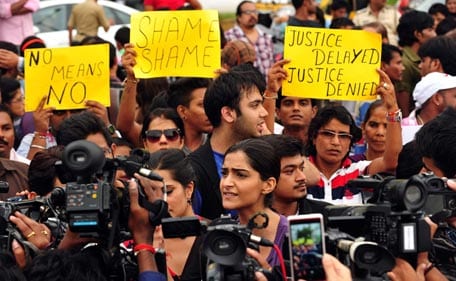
50	21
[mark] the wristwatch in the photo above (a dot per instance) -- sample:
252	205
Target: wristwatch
111	129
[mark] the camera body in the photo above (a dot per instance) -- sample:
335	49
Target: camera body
93	205
392	219
32	208
88	207
225	247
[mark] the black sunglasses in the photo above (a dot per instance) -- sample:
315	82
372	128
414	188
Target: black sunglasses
170	134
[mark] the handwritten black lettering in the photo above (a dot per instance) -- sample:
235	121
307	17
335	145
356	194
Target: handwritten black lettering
350	89
315	74
315	38
35	57
189	24
214	28
173	29
143	25
78	89
173	55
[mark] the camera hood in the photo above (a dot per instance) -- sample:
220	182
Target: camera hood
371	256
368	255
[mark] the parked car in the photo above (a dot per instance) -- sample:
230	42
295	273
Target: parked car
50	21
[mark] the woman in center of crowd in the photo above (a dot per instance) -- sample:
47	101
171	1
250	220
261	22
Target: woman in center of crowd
250	172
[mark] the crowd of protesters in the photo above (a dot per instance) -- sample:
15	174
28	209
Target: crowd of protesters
229	145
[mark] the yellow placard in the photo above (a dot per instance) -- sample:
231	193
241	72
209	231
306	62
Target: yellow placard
67	76
331	63
176	43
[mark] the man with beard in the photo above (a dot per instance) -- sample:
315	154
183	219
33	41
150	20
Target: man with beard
289	197
12	171
246	30
234	105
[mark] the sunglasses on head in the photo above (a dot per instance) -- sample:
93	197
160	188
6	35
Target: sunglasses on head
170	134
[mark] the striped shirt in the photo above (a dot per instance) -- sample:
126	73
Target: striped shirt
334	189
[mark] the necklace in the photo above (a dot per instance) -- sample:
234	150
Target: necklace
420	121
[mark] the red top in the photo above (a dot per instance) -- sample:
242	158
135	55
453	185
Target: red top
168	4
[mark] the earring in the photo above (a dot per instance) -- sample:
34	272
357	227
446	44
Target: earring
189	201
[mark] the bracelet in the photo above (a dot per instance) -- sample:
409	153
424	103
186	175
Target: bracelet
144	247
395	116
40	134
134	81
37	146
272	98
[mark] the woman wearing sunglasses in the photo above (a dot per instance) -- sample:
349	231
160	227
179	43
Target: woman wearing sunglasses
162	129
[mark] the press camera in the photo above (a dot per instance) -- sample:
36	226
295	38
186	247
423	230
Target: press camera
393	219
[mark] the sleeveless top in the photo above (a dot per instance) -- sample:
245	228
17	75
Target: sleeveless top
281	235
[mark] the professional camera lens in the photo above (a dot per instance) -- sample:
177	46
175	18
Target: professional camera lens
224	247
406	194
413	194
368	255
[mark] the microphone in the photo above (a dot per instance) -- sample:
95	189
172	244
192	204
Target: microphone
149	174
344	245
260	240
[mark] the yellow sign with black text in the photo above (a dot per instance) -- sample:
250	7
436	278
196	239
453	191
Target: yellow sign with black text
67	76
331	63
176	43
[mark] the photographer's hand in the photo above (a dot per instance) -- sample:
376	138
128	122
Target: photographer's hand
259	275
152	188
138	221
142	231
36	233
334	269
404	271
99	110
19	254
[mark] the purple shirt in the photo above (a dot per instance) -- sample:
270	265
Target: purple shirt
282	229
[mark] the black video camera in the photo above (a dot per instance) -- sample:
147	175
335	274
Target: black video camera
393	217
93	205
225	247
30	208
